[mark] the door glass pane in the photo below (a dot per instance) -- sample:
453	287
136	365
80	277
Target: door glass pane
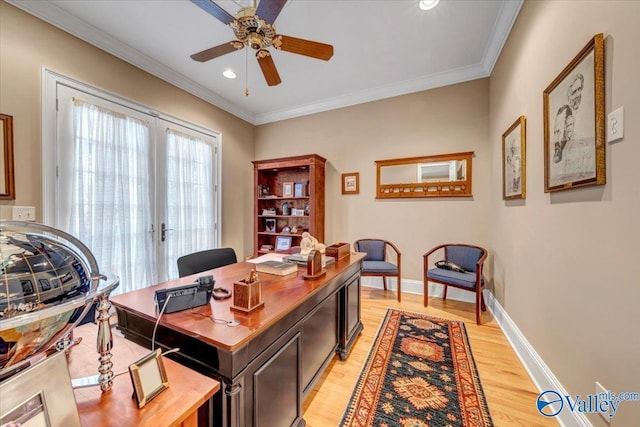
189	196
110	202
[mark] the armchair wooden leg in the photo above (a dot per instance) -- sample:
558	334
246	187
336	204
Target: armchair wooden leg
425	292
384	282
478	306
399	291
444	293
483	305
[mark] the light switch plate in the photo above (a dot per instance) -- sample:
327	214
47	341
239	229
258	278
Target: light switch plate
23	213
615	125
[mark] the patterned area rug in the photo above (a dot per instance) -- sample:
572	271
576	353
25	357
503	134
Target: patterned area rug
419	372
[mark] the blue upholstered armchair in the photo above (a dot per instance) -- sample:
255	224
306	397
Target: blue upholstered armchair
463	271
376	263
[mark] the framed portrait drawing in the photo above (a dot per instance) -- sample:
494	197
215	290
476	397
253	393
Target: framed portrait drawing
283	243
270	225
287	189
299	189
574	122
350	183
514	160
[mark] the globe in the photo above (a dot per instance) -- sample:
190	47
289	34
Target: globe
48	283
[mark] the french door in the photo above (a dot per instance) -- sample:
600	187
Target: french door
139	190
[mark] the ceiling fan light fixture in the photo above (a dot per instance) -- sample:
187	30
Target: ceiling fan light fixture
229	74
428	4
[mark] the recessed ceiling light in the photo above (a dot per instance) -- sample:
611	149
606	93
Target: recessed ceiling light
229	74
428	4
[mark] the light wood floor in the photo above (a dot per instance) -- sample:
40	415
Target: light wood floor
510	393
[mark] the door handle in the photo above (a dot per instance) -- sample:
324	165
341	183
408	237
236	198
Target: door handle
163	232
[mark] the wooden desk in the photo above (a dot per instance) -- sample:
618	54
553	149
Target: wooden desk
268	364
175	406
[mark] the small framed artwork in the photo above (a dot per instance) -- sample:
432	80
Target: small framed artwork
149	377
40	396
283	243
287	189
270	225
299	189
514	160
350	183
574	122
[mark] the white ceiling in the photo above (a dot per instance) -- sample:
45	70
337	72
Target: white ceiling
382	48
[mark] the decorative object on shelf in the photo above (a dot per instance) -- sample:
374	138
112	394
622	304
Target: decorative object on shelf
270	225
266	247
283	243
286	208
514	153
40	395
294	229
338	250
307	210
314	266
442	175
351	183
247	293
269	212
7	184
574	122
286	229
287	189
300	189
297	212
309	243
263	190
149	377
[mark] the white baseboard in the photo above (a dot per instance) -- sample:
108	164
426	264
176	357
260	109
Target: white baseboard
539	372
416	287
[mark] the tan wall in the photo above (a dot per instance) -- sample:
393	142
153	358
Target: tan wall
27	44
445	120
565	264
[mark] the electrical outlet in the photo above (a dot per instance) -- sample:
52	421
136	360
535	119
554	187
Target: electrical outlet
23	213
600	389
615	125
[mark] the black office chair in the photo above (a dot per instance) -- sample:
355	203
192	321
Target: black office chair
198	262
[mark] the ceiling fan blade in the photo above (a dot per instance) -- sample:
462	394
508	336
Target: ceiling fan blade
268	67
214	10
217	51
270	9
303	47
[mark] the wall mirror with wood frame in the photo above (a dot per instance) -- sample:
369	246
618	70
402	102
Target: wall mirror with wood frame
7	185
442	175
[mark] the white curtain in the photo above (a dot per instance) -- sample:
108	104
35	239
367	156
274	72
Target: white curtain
189	187
111	206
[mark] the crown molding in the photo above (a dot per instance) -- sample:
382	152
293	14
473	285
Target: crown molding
57	17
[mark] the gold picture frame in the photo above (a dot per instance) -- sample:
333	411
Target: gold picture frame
287	189
514	153
574	122
148	377
351	183
7	178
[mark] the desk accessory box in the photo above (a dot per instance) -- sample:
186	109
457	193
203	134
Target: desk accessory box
247	294
338	251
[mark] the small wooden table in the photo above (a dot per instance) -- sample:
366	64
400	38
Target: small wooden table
176	406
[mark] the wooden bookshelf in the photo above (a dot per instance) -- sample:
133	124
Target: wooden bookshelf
305	194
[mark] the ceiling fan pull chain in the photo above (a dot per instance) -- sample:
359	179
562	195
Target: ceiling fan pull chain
246	74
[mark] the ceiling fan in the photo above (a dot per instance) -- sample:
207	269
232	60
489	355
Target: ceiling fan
253	27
